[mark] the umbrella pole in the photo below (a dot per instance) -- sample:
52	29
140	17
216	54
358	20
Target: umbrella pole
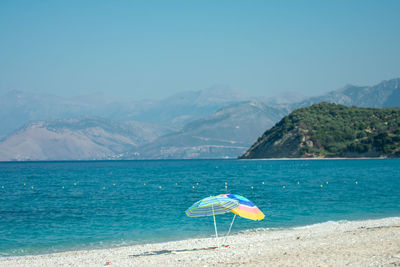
230	227
215	226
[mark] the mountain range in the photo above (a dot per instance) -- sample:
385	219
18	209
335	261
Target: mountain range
225	134
217	122
84	138
384	94
18	107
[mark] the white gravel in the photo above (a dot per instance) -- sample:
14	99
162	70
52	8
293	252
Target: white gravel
357	243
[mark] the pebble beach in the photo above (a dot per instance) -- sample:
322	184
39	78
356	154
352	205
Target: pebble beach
343	243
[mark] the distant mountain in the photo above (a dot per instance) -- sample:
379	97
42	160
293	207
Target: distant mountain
182	108
283	99
330	130
18	108
227	133
216	136
212	123
384	94
86	138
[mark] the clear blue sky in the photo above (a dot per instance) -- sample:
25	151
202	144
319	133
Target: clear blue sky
156	48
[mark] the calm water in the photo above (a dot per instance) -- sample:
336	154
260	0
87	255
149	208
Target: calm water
56	206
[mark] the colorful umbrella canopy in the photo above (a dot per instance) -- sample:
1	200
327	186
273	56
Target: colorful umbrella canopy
210	206
246	208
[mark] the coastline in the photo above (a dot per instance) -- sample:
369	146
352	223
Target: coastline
177	159
315	158
333	243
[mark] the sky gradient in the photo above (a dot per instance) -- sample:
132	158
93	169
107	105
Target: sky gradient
152	49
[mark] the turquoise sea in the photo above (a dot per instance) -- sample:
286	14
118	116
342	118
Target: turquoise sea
57	206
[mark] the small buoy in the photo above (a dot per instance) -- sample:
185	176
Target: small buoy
2	186
326	182
252	187
74	184
32	187
298	182
193	187
176	183
262	182
226	183
160	186
113	184
283	186
356	182
24	184
226	186
104	187
62	187
321	185
144	183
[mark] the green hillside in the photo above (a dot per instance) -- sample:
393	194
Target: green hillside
330	130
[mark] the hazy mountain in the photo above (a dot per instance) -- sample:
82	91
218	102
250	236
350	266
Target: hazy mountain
330	130
181	108
18	107
214	122
77	139
283	99
227	133
384	94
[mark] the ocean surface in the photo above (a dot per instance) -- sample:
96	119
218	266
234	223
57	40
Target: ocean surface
57	206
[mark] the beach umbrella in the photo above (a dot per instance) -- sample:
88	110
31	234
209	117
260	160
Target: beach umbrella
246	209
211	206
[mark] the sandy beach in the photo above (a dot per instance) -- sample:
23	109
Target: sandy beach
356	243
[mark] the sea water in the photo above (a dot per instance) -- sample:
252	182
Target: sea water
56	206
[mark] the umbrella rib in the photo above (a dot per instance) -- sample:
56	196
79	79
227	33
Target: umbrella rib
230	227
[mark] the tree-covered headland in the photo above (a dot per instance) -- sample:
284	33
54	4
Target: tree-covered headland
331	130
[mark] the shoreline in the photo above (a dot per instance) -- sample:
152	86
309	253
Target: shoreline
184	159
355	243
316	158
